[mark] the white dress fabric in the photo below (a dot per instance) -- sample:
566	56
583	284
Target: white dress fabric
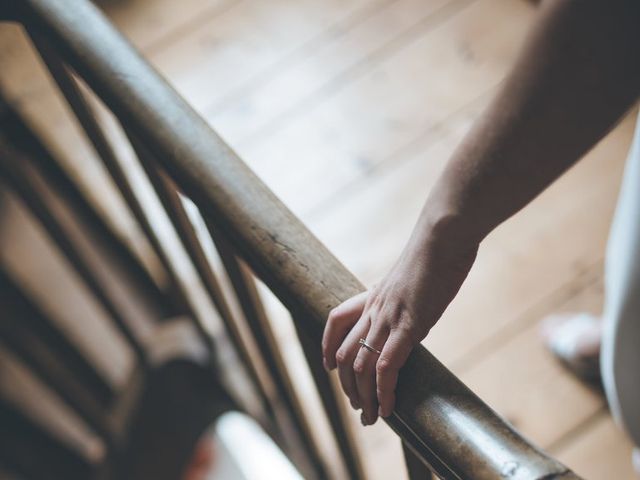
620	353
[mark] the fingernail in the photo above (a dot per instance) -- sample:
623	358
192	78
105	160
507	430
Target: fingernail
374	417
354	405
380	412
325	364
363	420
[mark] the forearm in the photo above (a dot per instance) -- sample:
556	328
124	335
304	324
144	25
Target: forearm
576	77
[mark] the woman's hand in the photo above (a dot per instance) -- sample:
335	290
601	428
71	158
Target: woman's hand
392	317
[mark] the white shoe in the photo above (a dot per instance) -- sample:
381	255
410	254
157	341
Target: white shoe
574	339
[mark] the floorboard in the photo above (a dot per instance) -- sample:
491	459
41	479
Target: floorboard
600	452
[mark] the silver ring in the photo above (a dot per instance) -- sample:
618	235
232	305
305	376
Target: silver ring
363	344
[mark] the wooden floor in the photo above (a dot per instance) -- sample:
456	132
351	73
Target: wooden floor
348	109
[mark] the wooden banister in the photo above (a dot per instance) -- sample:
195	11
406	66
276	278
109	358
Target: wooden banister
443	422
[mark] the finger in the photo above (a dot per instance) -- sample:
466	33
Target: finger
364	368
340	321
394	355
345	357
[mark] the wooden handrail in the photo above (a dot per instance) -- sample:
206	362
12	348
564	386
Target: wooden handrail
436	415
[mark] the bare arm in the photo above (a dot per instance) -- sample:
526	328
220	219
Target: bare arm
578	74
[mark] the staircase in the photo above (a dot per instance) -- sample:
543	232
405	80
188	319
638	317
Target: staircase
141	417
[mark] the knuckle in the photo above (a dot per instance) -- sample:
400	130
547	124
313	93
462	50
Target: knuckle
407	327
395	315
359	366
342	357
383	366
333	315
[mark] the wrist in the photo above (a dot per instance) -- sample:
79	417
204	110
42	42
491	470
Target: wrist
445	229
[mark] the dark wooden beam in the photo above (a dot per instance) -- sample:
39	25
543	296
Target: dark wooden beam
49	167
33	452
34	339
